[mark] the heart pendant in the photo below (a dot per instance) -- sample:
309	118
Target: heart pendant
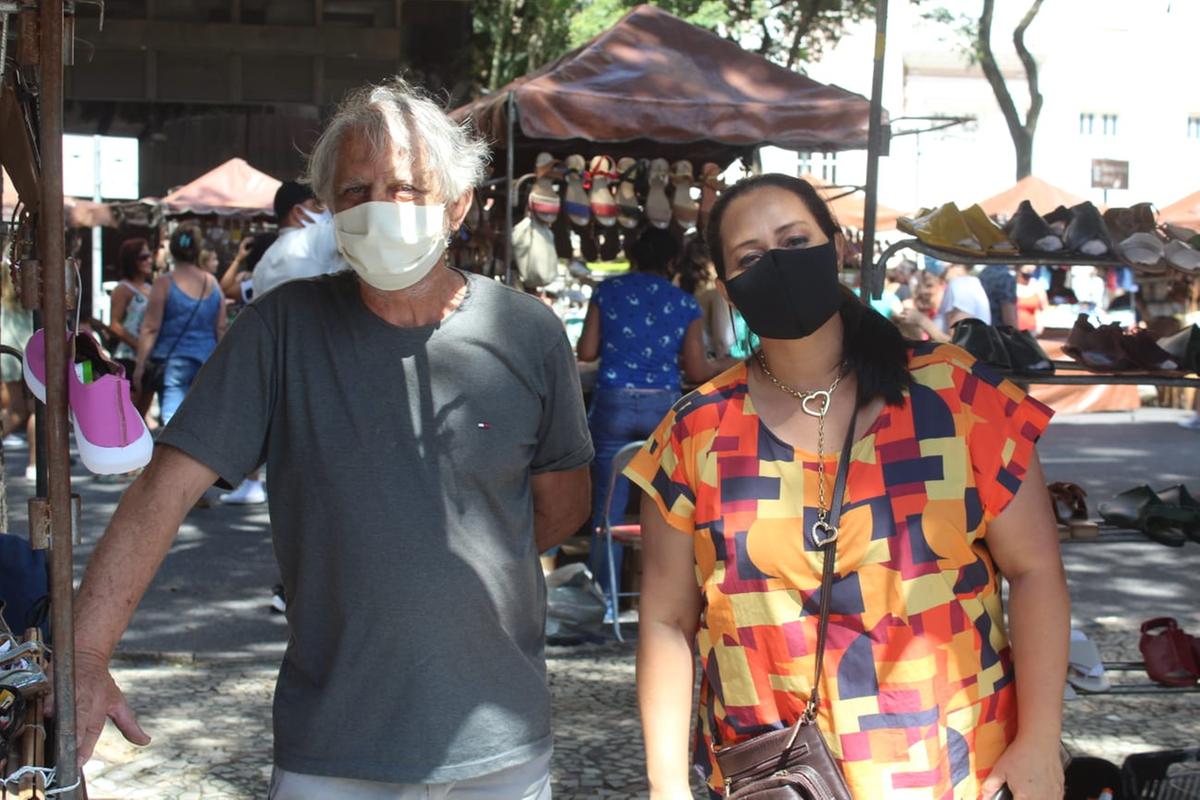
822	397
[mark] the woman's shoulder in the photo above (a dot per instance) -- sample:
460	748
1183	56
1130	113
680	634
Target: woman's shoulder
704	406
927	359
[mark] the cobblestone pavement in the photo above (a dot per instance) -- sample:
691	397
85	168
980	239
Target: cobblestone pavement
211	726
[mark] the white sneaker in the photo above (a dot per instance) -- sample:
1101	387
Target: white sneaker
31	473
1192	423
248	493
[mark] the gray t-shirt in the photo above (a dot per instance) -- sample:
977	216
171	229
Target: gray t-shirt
399	464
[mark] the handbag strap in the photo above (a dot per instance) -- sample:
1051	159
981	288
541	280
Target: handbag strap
830	550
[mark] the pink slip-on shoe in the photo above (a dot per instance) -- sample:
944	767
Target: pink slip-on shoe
110	433
33	365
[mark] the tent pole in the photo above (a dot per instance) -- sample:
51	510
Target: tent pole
872	279
54	305
510	159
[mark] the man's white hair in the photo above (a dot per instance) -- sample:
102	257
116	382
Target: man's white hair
399	116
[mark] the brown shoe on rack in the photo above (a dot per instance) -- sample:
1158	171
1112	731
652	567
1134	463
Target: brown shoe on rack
1098	349
1144	352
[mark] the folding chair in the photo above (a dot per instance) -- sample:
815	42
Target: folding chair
623	532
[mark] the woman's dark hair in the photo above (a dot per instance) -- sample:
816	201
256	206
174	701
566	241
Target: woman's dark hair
186	243
127	256
694	269
654	250
871	346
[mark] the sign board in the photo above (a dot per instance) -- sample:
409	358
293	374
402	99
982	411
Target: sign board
1110	174
116	159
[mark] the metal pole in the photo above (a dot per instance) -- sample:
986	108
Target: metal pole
872	281
54	306
508	188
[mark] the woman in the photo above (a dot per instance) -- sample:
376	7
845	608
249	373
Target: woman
135	264
944	491
697	277
183	322
209	261
1031	301
642	328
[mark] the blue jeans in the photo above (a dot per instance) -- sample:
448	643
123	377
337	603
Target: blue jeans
178	374
618	417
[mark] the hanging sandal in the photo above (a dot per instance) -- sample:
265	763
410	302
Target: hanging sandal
544	201
628	211
1169	653
658	206
604	206
579	209
683	205
711	186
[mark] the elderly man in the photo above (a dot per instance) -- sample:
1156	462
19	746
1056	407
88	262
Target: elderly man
426	439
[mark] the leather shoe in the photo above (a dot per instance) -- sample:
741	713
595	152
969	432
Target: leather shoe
1024	352
1184	347
982	341
1030	233
1178	495
1140	509
1145	353
1086	233
1096	348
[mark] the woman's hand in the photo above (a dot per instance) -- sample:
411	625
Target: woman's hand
1032	769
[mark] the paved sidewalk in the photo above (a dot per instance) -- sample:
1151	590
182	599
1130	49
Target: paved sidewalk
200	659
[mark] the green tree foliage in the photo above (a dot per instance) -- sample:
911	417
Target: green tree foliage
513	37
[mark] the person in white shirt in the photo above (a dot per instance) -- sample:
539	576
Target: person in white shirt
962	298
305	247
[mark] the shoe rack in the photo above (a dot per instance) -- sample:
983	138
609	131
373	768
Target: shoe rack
1068	373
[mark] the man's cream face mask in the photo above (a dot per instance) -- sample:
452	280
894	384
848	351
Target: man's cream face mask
391	245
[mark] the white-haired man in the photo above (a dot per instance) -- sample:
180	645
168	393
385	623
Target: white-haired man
426	440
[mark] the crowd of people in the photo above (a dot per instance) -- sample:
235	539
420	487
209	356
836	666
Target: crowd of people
426	440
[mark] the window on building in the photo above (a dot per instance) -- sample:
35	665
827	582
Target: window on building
1087	123
1194	126
1110	124
804	162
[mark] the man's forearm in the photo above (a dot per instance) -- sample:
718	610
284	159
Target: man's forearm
133	547
1040	618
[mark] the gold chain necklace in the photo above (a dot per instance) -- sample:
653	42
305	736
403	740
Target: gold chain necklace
822	532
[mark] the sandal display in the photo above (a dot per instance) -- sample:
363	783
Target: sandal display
1140	509
579	208
1085	234
1069	502
658	206
544	202
600	198
683	205
628	210
1032	234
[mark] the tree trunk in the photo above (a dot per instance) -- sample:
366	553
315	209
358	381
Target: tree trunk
1021	131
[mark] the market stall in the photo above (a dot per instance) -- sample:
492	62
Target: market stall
654	87
1184	211
1043	196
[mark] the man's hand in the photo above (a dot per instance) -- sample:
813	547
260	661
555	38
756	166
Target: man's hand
1032	770
98	698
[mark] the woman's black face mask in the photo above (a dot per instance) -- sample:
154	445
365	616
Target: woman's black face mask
789	294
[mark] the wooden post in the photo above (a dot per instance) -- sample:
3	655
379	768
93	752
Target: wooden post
872	280
54	307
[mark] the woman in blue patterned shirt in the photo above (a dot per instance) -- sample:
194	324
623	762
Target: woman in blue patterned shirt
643	329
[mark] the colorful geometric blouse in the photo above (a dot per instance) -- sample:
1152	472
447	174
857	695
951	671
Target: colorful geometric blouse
918	699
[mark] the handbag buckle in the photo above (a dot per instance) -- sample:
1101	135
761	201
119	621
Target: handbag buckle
823	533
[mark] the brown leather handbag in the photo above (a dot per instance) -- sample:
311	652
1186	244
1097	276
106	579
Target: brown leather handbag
795	763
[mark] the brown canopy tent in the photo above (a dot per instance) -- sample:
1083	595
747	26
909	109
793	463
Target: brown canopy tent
1184	211
234	187
1044	197
662	87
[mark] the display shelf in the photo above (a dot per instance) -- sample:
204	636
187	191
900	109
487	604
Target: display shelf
1134	688
873	277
